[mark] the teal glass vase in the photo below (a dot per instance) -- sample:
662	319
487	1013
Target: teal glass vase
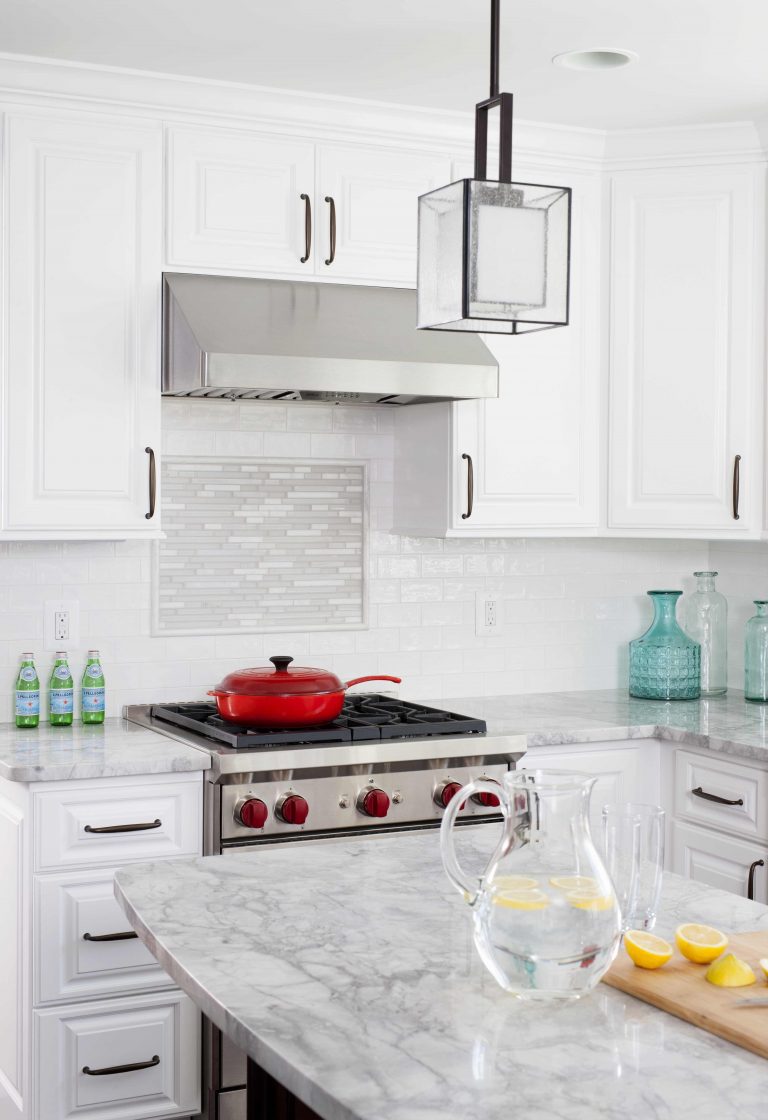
665	664
756	654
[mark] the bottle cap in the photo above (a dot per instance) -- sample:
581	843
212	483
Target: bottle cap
61	653
93	653
27	656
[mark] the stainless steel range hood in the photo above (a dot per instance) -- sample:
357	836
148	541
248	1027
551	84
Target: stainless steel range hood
226	336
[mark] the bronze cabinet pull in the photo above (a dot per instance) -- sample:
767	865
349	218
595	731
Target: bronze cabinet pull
751	877
470	486
130	1068
107	828
127	936
152	483
331	202
699	792
736	484
307	227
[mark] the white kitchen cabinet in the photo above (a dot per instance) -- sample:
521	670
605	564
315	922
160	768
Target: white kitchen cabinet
718	860
534	455
687	323
81	376
238	201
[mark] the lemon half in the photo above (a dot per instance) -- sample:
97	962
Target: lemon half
646	949
730	972
700	943
521	900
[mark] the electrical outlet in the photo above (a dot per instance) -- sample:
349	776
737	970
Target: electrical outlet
487	613
62	624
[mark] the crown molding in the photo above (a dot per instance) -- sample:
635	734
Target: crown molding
686	145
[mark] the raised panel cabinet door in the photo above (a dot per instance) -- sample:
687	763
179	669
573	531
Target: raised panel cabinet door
82	376
537	450
687	349
367	211
235	201
719	861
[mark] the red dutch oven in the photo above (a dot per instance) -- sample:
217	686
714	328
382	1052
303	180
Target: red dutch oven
283	697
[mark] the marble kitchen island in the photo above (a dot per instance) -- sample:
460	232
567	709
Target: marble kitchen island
345	968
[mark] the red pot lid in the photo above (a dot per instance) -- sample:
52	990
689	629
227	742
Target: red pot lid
281	680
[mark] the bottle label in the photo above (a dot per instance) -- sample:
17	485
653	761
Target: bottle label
93	700
62	672
28	673
95	671
28	703
61	701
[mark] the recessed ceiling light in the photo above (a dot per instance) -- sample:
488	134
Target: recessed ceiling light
598	58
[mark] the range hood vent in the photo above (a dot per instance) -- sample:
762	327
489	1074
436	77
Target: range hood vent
227	336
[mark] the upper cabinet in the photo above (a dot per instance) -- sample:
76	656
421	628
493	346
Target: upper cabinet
687	365
244	202
81	419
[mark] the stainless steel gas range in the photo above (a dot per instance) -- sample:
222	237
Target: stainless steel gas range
384	765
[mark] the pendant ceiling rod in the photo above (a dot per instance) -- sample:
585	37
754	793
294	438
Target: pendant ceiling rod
495	19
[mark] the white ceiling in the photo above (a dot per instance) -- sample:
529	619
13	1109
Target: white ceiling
700	60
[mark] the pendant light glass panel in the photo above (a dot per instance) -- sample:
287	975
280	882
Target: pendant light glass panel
494	257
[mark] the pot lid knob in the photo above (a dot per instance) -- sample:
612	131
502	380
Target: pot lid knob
281	663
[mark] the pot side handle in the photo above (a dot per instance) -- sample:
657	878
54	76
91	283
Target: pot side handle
467	886
375	677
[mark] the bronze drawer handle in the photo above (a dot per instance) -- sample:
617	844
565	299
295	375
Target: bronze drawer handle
307	227
736	485
152	483
699	792
132	1067
470	486
751	877
106	828
127	936
332	203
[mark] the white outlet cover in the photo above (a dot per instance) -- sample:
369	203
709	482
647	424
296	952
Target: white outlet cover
52	606
481	626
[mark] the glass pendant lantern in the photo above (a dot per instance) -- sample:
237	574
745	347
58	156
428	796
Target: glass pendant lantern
494	256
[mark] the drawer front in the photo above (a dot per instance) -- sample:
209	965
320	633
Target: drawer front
160	1034
742	792
117	823
719	861
72	914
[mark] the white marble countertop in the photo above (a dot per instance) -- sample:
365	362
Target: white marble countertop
108	750
345	968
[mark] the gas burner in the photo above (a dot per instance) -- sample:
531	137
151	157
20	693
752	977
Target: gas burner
365	716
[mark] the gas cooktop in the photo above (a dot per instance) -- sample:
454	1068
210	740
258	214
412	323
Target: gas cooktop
364	717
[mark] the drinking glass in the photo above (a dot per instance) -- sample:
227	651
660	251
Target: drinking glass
633	847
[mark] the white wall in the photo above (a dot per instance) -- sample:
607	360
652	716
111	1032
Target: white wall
569	606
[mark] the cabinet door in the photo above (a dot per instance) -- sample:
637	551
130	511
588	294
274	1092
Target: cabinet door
375	196
537	449
686	349
234	201
82	380
718	860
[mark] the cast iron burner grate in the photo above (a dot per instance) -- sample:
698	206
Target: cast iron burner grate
364	716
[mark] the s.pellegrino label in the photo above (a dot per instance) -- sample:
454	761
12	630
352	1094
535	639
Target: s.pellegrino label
27	697
92	697
61	693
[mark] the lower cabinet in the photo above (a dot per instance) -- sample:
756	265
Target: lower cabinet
725	862
130	1059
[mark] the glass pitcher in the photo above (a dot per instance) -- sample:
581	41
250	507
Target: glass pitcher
546	919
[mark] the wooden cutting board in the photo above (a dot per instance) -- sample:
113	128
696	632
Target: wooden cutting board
679	987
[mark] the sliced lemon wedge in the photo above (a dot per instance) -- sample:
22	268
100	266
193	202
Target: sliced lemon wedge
589	900
574	882
521	900
515	882
700	943
647	950
730	972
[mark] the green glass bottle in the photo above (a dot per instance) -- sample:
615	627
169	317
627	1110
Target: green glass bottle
756	654
92	697
27	693
61	692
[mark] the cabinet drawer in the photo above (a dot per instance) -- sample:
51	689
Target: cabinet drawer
161	1030
717	860
71	965
154	819
743	791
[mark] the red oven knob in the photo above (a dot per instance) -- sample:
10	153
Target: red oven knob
490	800
446	792
374	803
252	813
293	809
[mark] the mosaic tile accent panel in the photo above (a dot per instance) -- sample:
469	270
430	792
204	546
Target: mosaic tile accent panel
254	546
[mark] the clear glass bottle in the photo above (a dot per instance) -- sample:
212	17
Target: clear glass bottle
92	690
756	654
665	664
705	619
27	693
61	692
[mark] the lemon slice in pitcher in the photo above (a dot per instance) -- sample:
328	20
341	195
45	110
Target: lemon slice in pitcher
514	882
589	900
521	900
574	882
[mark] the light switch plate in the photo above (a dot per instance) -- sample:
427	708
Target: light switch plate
62	624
